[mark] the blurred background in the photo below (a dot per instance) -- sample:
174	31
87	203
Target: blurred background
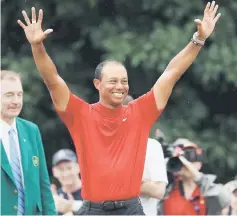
144	35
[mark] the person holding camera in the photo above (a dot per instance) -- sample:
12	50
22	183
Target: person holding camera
191	192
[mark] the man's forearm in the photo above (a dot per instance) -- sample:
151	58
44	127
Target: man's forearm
153	189
182	61
44	64
175	69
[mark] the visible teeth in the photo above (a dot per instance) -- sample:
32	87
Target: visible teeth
118	94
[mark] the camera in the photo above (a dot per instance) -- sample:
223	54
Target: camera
181	147
192	154
185	148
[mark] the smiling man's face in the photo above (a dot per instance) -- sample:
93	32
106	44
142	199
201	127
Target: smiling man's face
113	85
11	98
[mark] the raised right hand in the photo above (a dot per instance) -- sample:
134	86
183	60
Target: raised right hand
33	31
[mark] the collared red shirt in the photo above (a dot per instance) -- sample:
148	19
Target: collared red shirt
111	145
176	204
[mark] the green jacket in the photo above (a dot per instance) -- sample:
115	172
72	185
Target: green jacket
38	196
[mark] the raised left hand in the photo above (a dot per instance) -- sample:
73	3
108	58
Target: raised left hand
207	25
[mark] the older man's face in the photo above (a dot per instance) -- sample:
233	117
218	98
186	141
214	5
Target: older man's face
11	98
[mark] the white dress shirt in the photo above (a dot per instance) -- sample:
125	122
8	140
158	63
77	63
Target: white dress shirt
154	170
4	136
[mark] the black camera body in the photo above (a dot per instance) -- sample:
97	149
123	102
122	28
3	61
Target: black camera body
184	147
191	153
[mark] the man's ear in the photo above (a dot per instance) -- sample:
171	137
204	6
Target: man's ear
97	84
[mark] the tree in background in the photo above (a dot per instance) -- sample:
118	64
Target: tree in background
145	35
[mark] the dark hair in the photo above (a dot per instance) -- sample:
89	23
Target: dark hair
100	66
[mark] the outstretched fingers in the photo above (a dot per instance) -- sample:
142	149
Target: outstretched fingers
40	17
21	24
33	15
207	7
47	32
214	11
211	10
212	6
217	17
26	18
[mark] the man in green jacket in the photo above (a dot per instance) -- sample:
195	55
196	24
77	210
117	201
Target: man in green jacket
25	185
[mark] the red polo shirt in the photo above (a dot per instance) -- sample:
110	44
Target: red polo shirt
111	145
176	204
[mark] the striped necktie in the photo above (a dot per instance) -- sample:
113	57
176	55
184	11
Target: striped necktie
16	170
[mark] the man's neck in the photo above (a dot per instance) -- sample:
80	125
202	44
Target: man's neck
72	187
8	120
107	105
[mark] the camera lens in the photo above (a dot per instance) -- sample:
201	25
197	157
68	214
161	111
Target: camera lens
174	164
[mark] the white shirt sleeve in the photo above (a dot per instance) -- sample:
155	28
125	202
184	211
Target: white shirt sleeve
155	166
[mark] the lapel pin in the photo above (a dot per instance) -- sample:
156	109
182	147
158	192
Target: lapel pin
35	160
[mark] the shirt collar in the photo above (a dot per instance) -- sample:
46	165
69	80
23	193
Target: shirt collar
5	127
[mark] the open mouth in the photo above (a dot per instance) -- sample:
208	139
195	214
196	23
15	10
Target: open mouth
118	94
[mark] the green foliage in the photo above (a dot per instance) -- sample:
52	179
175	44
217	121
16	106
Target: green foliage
145	35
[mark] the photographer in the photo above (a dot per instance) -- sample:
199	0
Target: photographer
191	192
